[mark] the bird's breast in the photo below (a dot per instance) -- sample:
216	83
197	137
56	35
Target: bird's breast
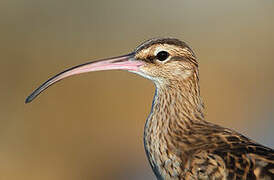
165	163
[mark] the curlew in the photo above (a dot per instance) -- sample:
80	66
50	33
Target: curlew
179	142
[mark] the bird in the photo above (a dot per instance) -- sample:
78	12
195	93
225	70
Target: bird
180	143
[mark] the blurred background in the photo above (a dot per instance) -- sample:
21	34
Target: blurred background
91	126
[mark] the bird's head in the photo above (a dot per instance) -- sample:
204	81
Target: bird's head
165	60
161	60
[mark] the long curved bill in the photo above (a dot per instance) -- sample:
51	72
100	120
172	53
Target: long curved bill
126	62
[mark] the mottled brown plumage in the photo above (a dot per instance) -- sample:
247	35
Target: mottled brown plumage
179	142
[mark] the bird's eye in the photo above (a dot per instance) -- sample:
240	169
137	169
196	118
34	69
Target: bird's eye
162	55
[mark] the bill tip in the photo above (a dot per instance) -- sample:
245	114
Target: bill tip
28	100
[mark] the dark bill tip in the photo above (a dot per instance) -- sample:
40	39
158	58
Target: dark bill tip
28	99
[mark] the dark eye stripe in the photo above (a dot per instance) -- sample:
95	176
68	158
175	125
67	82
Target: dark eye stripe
150	58
162	55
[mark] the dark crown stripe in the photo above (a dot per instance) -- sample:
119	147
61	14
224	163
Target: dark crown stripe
172	41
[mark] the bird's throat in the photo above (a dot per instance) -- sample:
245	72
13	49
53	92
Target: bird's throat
176	107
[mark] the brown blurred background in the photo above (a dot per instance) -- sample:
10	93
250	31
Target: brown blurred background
91	126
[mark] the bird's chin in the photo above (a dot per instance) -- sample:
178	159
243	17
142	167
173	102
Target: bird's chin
139	72
156	80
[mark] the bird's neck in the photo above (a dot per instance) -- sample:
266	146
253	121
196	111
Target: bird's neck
176	107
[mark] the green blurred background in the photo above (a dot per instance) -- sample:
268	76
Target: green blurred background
91	126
